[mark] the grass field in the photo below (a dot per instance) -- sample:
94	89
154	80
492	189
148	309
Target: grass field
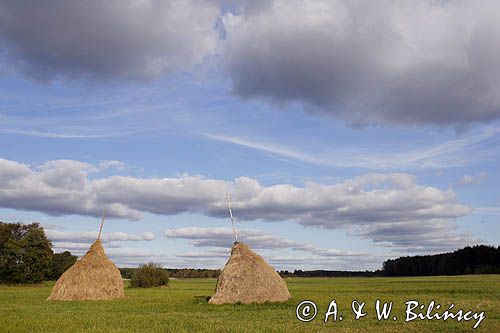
180	308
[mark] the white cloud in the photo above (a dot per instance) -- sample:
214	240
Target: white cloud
401	238
132	257
471	179
367	201
207	254
79	248
90	236
223	237
219	241
122	257
309	263
112	164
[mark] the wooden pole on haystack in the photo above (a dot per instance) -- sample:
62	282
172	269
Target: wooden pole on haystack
102	223
231	216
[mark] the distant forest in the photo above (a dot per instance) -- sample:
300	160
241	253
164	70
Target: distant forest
327	273
127	273
479	259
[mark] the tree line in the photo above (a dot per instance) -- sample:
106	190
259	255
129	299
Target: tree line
479	259
327	273
129	273
26	255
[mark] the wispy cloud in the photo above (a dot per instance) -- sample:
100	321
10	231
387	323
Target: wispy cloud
451	153
268	147
53	135
61	135
103	115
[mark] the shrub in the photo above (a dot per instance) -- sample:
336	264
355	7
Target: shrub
149	275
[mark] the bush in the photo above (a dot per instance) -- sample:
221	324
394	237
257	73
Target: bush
149	275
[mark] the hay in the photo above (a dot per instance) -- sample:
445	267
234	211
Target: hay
94	277
247	278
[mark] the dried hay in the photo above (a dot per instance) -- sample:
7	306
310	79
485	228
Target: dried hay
247	278
94	277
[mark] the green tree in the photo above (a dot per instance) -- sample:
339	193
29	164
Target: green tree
60	263
37	255
25	253
9	251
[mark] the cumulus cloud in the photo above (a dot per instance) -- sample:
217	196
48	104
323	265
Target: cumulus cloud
112	164
434	235
90	236
79	248
367	201
219	241
215	261
407	238
208	254
78	243
137	39
389	62
223	237
132	257
55	187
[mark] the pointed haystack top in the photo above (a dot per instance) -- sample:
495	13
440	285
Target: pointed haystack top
247	278
94	277
95	251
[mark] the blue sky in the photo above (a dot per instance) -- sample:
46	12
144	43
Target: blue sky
338	152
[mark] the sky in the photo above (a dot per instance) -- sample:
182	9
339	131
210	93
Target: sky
346	133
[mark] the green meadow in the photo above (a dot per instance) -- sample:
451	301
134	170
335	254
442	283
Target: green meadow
183	307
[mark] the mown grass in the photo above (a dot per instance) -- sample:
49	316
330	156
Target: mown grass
183	307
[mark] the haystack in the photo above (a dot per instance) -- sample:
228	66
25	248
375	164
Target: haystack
94	277
247	278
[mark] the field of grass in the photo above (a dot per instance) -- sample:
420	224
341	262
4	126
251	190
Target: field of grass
182	307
